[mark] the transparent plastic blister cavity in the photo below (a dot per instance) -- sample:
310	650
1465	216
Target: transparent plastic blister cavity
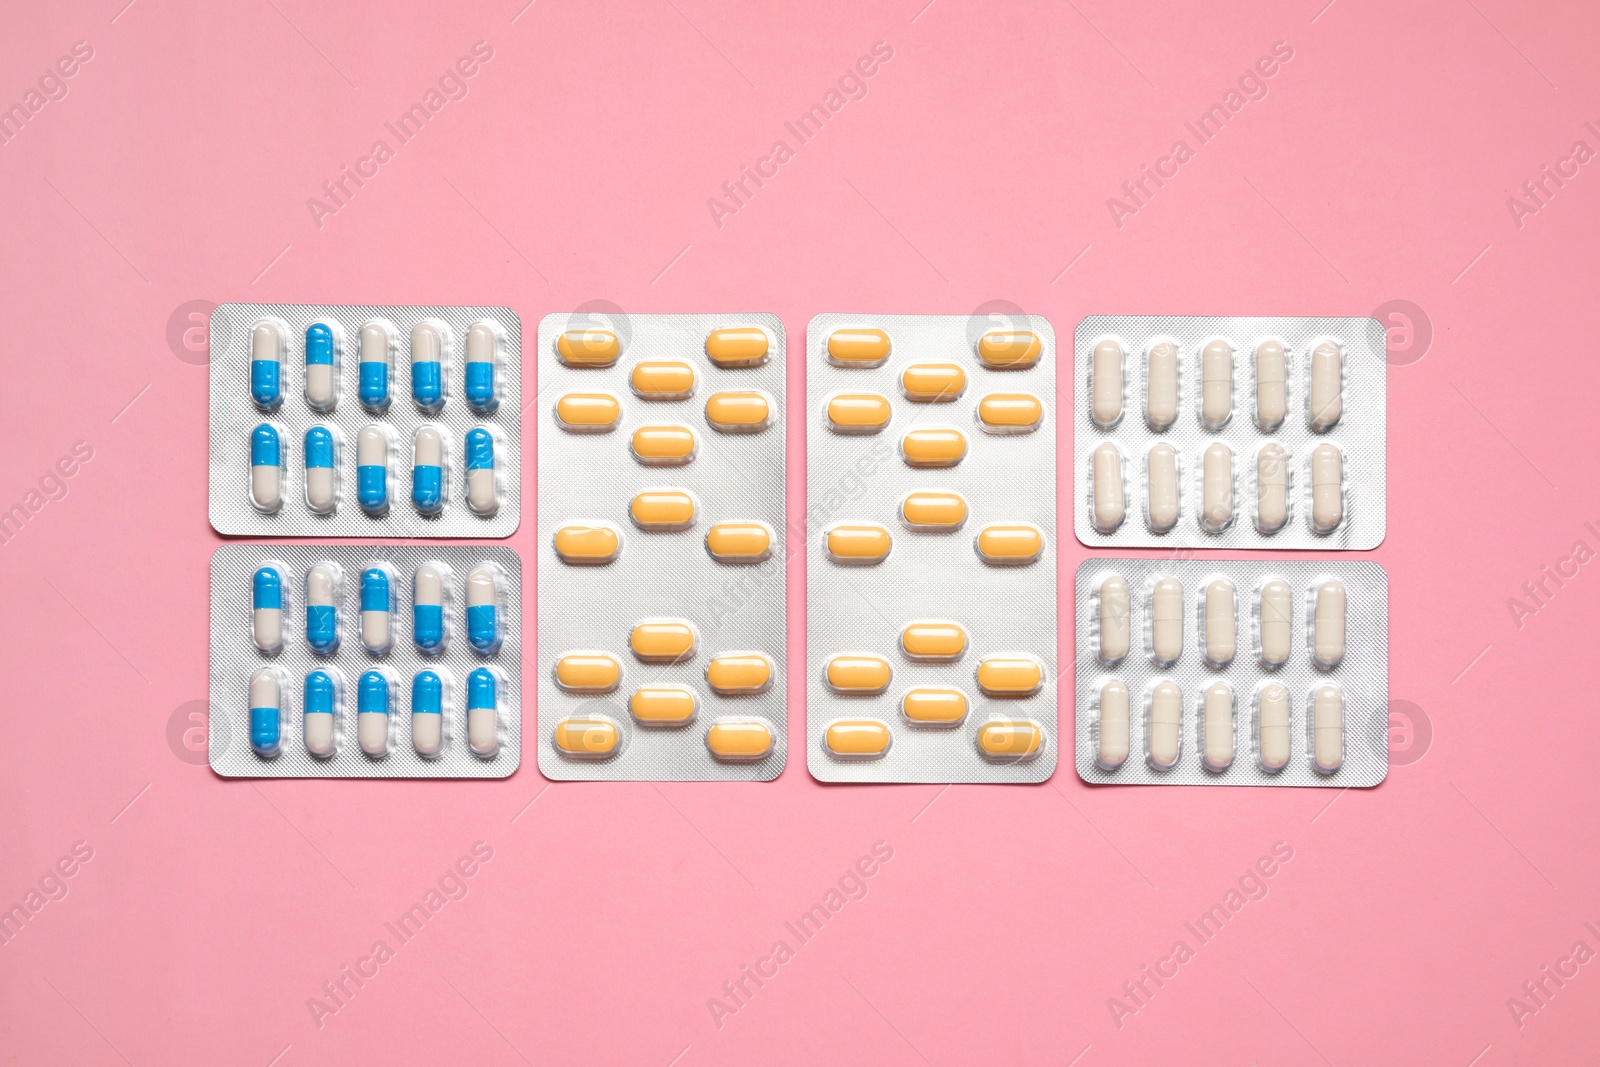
661	547
930	549
1232	672
366	661
365	421
1219	432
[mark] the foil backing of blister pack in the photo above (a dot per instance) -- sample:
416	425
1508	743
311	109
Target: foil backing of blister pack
234	415
1362	675
665	574
1359	432
862	478
235	659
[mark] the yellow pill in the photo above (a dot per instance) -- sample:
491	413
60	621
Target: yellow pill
739	673
737	346
587	738
663	380
857	738
1011	545
588	412
587	543
588	672
663	509
851	672
663	705
934	707
933	510
858	412
739	740
1009	349
739	542
933	640
933	448
858	347
588	348
1010	741
663	640
738	412
937	382
663	446
1010	676
1010	412
858	544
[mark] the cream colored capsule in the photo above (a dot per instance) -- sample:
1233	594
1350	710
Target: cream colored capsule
1272	378
931	706
663	446
1272	488
587	543
739	673
587	738
1109	502
933	510
1216	512
741	412
1010	676
739	740
933	447
858	347
1274	615
1010	740
588	412
857	739
664	640
858	672
1007	413
669	379
1105	372
1161	480
1161	385
935	640
1221	628
1009	349
1163	739
663	705
861	543
1327	729
1218	724
1115	630
1111	749
1327	488
1010	544
1166	621
858	413
1327	386
1216	384
739	542
1327	625
588	672
663	509
737	346
1272	727
588	348
933	382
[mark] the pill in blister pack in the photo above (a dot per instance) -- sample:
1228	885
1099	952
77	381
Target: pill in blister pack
365	661
930	556
347	421
1230	432
1232	672
661	518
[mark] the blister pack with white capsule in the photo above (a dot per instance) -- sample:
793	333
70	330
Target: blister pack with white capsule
1218	432
1232	672
365	421
366	661
661	547
930	549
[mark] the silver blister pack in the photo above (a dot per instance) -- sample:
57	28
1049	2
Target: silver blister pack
661	547
1281	420
930	524
373	435
1301	669
312	652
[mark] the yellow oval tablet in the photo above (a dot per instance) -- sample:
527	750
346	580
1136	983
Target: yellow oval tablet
663	640
583	542
663	705
934	640
1010	676
588	412
851	672
1009	349
739	673
858	347
933	448
858	412
739	739
934	707
933	510
934	382
663	380
663	446
857	738
1010	412
587	738
1010	741
1012	545
858	544
738	412
739	542
663	509
737	346
588	672
588	348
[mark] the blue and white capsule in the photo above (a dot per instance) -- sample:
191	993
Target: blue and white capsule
319	711
377	611
427	609
482	495
266	365
427	471
427	366
372	470
266	712
322	470
483	609
483	716
322	361
322	609
482	386
266	470
372	713
427	713
374	367
266	610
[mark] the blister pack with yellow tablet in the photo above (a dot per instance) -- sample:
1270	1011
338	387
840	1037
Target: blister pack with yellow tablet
930	549
661	547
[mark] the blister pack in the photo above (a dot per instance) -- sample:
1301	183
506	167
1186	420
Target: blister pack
661	547
1220	432
366	661
930	549
1232	672
365	421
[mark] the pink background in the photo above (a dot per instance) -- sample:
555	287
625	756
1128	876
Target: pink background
1378	167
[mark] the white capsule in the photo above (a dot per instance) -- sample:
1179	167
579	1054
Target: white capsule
427	470
1272	727
1272	488
266	609
1216	384
427	608
483	614
1161	479
322	608
1163	738
1218	722
372	469
483	392
1220	628
1272	378
322	358
1109	503
1166	621
1112	748
1273	617
1161	386
1216	512
1114	628
427	366
1106	379
1327	386
1327	625
1327	729
1327	488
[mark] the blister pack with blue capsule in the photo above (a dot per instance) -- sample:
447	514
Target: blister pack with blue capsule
365	421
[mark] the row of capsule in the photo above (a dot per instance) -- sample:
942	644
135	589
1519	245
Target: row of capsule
998	544
730	411
429	630
998	740
323	699
1011	674
662	510
429	485
324	346
748	346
